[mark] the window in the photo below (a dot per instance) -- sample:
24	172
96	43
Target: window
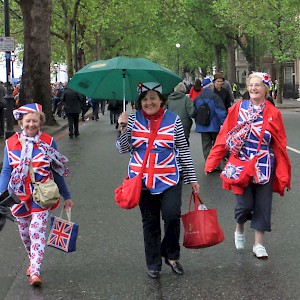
288	75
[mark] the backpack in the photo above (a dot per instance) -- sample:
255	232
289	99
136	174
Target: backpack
203	114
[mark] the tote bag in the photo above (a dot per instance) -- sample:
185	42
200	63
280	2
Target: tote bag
201	227
63	233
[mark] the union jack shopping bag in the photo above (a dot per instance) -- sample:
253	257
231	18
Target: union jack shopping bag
63	233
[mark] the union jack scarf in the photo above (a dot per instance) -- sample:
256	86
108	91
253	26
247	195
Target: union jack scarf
238	135
57	160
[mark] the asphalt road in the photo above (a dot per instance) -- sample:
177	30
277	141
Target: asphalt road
109	261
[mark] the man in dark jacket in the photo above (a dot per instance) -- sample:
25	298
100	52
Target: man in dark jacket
217	115
72	107
221	91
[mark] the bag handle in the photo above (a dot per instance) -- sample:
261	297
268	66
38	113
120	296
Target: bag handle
196	198
68	213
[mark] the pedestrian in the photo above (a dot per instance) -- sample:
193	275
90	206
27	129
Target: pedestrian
275	88
240	134
235	90
182	105
57	93
95	105
221	91
31	147
169	165
84	107
196	89
102	106
217	116
72	102
2	108
115	108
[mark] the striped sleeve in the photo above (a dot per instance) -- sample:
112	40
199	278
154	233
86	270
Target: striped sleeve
123	142
184	158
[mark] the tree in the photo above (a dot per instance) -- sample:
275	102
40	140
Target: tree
36	60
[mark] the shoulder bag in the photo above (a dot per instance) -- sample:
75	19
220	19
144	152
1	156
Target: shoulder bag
240	172
45	194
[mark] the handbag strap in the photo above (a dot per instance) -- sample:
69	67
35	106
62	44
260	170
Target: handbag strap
196	198
31	173
262	133
150	145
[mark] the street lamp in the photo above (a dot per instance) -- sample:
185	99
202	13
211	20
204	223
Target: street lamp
9	131
13	59
55	71
178	57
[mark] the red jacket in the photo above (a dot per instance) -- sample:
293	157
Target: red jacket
193	94
283	170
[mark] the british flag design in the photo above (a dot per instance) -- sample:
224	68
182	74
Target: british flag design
232	172
265	156
60	235
42	171
161	170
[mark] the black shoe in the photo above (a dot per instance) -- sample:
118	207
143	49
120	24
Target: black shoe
176	267
71	136
153	274
77	134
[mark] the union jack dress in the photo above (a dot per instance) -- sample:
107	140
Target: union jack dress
42	172
265	160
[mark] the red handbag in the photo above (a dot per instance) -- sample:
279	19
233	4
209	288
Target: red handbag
201	227
128	194
240	172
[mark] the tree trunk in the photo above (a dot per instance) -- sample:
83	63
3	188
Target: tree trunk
231	70
36	61
218	53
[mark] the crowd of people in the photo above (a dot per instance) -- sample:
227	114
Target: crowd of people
247	128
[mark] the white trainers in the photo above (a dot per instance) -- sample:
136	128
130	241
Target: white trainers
260	251
239	240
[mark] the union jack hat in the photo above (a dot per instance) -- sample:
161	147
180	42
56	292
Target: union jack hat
26	109
265	77
147	86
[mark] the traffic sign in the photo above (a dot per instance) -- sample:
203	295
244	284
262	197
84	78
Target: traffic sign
7	44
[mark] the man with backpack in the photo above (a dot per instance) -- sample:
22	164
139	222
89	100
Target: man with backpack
210	114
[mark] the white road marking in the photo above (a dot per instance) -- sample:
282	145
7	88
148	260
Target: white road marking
293	149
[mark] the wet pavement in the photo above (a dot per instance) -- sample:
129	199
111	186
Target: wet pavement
109	262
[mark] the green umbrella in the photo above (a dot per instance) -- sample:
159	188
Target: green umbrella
118	78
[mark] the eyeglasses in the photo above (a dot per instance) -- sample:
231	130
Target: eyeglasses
255	85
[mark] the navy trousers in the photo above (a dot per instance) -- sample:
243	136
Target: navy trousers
256	205
167	204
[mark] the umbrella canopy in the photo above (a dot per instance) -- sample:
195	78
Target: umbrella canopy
118	78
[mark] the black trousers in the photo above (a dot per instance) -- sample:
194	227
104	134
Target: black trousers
73	121
208	140
168	204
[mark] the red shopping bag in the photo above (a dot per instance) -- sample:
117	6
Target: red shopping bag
201	227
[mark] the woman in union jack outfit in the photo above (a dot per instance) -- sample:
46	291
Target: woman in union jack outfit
31	147
240	134
169	164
